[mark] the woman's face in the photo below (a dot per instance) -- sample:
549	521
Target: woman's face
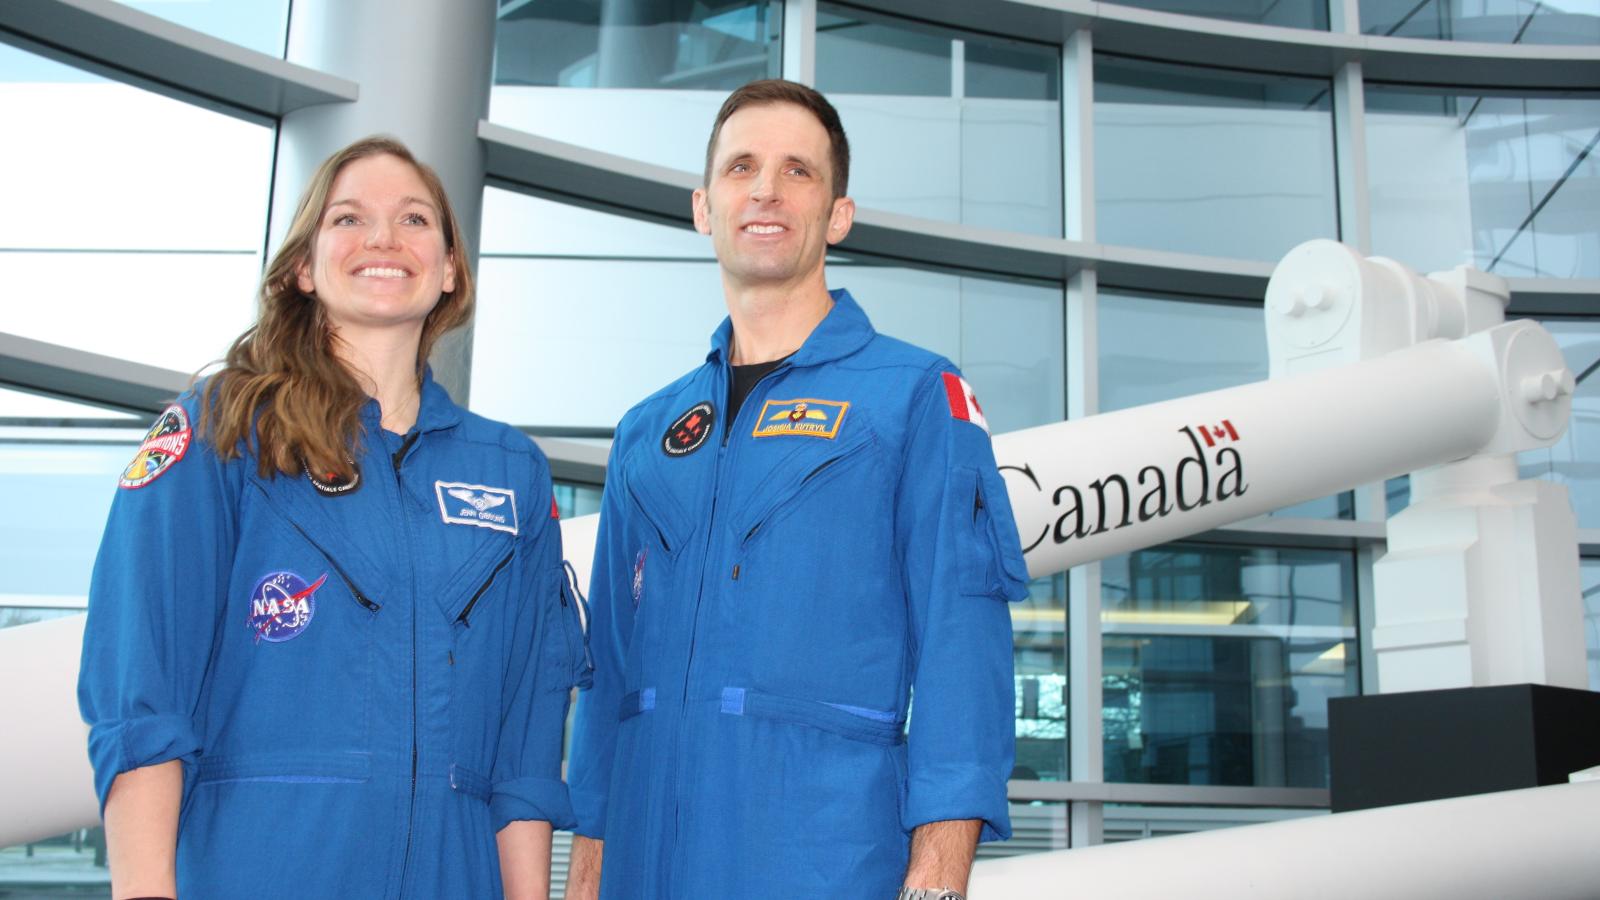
379	258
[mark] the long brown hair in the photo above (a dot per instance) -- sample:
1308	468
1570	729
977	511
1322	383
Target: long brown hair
282	391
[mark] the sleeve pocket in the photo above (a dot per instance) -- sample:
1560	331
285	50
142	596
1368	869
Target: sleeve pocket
572	652
988	567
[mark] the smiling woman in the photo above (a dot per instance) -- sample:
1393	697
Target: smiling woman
290	657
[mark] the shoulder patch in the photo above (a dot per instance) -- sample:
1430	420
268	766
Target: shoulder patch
477	504
964	403
685	435
807	416
164	444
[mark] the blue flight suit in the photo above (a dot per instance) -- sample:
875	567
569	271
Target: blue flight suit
364	685
765	601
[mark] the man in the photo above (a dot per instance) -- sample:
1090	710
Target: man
794	537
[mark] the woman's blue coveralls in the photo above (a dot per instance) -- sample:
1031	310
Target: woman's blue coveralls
364	686
765	606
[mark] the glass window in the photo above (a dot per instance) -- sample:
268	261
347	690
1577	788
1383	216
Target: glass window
260	25
1212	161
69	865
1157	348
156	208
652	295
1590	578
656	71
1505	184
1287	13
1494	21
1039	627
45	560
1133	822
1218	663
945	124
574	499
28	408
1036	827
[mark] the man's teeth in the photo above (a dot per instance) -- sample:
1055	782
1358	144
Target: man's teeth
380	272
763	229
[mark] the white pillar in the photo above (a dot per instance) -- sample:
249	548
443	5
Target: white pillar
424	69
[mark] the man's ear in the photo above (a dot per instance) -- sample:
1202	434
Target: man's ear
702	211
844	215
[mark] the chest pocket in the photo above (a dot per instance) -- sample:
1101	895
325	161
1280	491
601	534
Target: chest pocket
660	513
808	479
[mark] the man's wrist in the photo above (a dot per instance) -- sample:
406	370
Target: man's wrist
911	893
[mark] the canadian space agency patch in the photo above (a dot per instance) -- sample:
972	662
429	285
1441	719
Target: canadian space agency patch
164	444
281	606
685	435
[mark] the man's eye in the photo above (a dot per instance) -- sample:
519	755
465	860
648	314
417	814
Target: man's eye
797	170
739	168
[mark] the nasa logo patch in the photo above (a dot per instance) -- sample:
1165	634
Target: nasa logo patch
638	575
281	606
164	444
685	435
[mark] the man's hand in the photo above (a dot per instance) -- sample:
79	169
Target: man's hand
583	869
941	854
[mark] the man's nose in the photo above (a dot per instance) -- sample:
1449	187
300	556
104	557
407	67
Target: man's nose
764	189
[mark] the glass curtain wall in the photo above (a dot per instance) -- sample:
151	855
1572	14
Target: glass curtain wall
652	72
945	124
163	235
1286	13
260	25
1211	161
1494	21
1505	184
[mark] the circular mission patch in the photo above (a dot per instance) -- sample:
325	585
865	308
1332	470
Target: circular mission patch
281	606
688	432
164	444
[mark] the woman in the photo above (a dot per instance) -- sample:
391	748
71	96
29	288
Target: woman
330	640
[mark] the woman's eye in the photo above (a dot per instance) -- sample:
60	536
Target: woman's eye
415	219
344	219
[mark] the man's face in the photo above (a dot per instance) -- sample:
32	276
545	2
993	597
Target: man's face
769	205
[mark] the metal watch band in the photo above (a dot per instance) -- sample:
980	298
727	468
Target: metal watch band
909	893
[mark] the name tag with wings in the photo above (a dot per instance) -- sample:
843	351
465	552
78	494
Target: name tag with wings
477	504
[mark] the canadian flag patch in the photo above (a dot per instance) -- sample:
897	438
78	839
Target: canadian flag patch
963	403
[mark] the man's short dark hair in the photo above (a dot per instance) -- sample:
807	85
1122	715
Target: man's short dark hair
769	91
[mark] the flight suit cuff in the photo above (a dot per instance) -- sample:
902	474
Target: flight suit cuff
591	813
959	792
541	799
125	744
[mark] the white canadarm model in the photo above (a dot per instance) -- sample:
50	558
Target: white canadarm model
1375	372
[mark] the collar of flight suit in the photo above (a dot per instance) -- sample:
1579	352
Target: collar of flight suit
843	331
436	413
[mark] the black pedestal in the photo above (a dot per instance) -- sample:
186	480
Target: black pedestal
1428	745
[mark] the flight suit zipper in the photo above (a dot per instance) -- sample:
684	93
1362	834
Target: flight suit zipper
466	611
361	597
723	455
398	459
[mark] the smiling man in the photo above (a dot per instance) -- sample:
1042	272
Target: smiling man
795	537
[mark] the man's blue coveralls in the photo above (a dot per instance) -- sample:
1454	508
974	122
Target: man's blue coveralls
363	685
765	606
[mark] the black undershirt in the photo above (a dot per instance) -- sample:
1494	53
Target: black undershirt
743	381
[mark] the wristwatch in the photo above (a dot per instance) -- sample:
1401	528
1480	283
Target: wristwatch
911	893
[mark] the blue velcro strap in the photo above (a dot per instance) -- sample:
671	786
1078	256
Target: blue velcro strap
733	701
